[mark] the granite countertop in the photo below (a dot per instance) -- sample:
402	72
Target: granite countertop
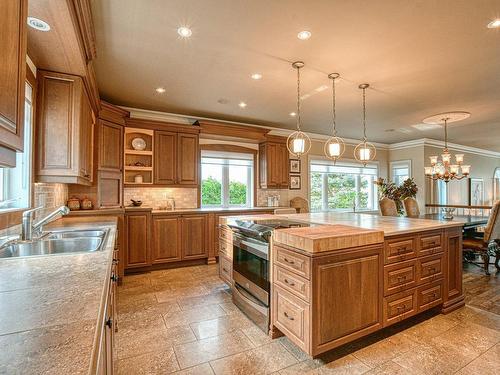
50	306
389	225
156	211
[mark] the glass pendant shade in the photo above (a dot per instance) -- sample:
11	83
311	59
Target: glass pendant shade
459	158
334	148
434	160
428	171
454	169
446	157
298	143
465	169
365	152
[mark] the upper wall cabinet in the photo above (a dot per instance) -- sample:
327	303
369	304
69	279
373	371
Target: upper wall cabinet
273	165
12	72
65	130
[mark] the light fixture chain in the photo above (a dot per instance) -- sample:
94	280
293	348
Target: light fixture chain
334	113
446	133
298	98
364	114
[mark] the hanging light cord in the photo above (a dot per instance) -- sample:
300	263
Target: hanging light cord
298	98
334	114
364	115
446	134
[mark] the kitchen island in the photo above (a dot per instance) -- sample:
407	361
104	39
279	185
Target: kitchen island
349	275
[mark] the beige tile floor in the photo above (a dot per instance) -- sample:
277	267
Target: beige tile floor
182	321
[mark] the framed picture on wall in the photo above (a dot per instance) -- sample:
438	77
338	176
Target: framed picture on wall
295	182
476	192
294	166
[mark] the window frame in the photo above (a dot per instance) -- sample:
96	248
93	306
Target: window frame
395	164
344	163
235	149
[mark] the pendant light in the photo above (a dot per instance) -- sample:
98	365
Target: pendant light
365	151
298	143
334	146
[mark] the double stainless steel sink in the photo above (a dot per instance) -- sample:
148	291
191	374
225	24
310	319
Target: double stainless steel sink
57	242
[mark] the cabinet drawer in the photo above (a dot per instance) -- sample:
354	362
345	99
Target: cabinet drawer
226	269
226	234
291	315
225	249
400	276
430	295
298	263
430	244
399	306
397	250
430	268
292	283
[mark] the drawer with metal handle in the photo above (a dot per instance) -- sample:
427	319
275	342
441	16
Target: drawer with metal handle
292	283
400	249
292	261
400	276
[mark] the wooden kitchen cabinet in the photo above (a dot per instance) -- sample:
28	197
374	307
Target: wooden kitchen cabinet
65	128
194	244
137	243
13	38
166	239
273	165
165	172
110	146
188	159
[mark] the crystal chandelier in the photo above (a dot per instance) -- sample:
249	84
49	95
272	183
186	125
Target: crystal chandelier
298	143
365	151
443	169
334	146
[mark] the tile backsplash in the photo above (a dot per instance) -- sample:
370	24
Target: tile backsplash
156	197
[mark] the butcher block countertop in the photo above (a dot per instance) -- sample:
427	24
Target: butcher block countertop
327	237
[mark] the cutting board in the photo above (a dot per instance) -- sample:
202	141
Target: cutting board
327	237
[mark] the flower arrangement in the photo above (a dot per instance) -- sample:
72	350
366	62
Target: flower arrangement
408	189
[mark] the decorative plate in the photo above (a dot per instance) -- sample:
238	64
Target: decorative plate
138	144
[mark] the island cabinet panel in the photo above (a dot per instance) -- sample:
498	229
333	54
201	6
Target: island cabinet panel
137	240
350	282
165	158
13	37
193	237
166	235
453	294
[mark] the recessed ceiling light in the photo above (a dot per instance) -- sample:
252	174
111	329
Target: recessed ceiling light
293	114
494	24
184	31
38	24
304	35
256	76
160	90
242	104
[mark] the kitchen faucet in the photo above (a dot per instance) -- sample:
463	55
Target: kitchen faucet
29	229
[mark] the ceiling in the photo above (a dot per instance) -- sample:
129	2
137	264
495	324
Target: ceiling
420	57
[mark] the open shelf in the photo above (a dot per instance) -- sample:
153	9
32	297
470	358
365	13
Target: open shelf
138	162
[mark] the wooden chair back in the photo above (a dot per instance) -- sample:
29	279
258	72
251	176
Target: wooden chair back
388	207
411	207
492	230
300	204
284	211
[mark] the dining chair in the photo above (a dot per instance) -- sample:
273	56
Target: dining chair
491	233
411	207
300	204
284	211
388	207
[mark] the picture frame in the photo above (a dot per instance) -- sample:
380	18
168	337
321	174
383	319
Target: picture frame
294	166
295	182
476	191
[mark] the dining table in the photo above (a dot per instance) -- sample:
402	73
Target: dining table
469	221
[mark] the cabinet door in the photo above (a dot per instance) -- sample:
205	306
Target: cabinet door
194	237
166	237
273	165
110	146
137	240
12	72
283	166
109	189
165	158
85	142
188	159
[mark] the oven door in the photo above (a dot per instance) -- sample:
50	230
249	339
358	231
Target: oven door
250	260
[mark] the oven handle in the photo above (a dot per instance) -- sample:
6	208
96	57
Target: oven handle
253	301
244	245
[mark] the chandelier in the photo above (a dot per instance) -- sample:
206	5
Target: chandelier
365	151
334	146
443	169
298	143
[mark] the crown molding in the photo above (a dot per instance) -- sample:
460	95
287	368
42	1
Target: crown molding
436	143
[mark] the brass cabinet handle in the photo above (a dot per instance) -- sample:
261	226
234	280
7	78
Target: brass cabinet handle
402	278
289	283
289	261
288	316
224	269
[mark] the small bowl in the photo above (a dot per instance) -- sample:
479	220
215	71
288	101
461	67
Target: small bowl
136	203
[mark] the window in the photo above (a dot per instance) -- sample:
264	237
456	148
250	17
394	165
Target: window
15	183
226	179
400	171
342	187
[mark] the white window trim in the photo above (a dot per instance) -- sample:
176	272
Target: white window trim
400	164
